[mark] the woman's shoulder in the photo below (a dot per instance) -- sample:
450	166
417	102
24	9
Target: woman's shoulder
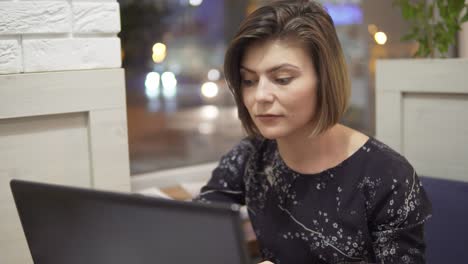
393	191
383	155
385	164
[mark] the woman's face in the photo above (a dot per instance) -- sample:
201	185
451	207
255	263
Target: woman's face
279	88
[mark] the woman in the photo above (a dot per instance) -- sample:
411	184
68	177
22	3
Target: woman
316	191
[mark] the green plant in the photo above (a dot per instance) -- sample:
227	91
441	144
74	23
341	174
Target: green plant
434	23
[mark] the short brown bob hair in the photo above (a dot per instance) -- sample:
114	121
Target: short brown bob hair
307	22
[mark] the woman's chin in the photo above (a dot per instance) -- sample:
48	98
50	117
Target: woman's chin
269	137
271	134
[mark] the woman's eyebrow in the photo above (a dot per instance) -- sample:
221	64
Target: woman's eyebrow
243	68
272	69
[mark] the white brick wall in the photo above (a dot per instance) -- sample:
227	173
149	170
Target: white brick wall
91	17
45	35
10	56
70	54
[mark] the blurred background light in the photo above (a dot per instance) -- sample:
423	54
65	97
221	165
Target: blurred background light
209	112
206	128
159	48
159	52
345	13
169	83
380	38
209	89
152	85
214	75
195	2
158	58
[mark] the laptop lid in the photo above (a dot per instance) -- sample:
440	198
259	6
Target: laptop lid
76	225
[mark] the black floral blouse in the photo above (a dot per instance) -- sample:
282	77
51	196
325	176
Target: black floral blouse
371	208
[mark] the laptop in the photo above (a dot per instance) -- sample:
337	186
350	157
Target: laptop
85	226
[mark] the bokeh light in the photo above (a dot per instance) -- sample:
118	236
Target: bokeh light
380	38
209	89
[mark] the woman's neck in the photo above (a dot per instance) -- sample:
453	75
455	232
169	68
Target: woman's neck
312	154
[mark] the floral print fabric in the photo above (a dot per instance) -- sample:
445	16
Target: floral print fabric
371	208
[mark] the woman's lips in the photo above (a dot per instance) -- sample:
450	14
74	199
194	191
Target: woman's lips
268	118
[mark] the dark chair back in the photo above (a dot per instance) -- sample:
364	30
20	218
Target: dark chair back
447	230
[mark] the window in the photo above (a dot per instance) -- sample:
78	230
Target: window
180	111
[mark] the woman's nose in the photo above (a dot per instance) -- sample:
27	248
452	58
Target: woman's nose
263	92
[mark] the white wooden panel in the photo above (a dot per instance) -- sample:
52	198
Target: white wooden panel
423	75
61	127
15	252
421	112
435	137
388	114
125	188
60	92
45	148
10	229
109	149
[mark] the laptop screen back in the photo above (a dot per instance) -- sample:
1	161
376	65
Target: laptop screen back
72	225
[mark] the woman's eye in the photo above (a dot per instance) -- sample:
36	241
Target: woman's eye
283	81
247	82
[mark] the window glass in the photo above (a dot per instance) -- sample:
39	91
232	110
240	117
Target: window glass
180	111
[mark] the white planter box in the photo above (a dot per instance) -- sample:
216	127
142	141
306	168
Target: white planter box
66	127
422	112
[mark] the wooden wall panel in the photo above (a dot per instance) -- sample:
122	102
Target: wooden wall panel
421	111
435	133
59	127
